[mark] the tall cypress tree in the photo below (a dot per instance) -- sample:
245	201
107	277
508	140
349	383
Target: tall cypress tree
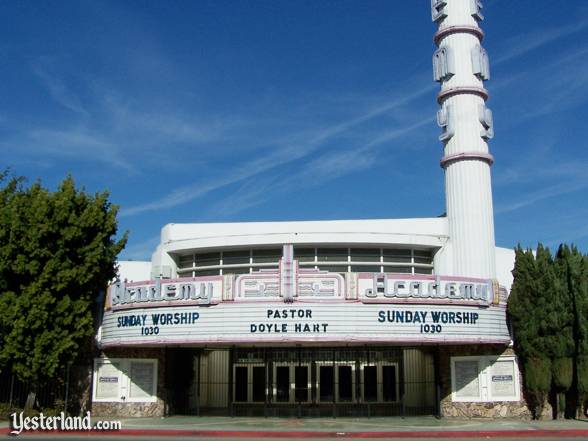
561	343
527	305
521	305
548	310
580	304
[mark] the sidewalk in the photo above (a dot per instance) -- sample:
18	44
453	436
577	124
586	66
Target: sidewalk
410	427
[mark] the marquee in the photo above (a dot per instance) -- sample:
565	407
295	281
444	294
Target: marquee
323	307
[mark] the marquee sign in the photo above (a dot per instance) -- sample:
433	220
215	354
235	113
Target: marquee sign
305	284
332	322
293	305
200	291
409	287
309	283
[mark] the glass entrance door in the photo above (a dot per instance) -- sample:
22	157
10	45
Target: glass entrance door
379	383
291	383
335	382
249	383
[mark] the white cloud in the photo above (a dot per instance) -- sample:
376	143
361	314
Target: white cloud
76	143
522	44
279	157
56	86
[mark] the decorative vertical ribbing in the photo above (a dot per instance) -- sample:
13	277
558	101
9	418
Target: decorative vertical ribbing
288	276
461	66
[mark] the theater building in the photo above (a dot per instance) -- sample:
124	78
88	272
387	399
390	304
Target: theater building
332	318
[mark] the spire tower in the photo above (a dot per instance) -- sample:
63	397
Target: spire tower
461	66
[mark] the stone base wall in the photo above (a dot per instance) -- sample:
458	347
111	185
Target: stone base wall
503	409
128	410
125	410
497	409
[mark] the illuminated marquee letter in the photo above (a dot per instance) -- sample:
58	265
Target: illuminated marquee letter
117	293
415	289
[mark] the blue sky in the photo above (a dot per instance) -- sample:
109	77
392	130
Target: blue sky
203	111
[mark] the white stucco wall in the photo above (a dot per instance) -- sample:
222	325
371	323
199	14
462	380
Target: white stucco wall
429	232
134	270
505	258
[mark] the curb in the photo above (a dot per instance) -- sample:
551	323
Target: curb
322	434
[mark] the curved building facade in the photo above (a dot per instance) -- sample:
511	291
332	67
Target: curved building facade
349	317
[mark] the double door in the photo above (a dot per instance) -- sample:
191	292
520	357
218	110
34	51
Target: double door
319	382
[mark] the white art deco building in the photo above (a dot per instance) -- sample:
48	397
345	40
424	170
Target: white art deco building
369	317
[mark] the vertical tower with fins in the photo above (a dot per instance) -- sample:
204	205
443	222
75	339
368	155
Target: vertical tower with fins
460	65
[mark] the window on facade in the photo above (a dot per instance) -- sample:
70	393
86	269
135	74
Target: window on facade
304	254
186	261
283	384
211	272
326	259
419	270
423	256
398	269
267	256
301	383
365	268
397	255
235	257
207	259
326	374
370	383
365	254
332	254
333	268
389	383
185	273
245	270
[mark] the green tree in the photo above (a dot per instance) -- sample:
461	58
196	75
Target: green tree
57	252
568	263
534	309
522	312
521	304
548	310
582	335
